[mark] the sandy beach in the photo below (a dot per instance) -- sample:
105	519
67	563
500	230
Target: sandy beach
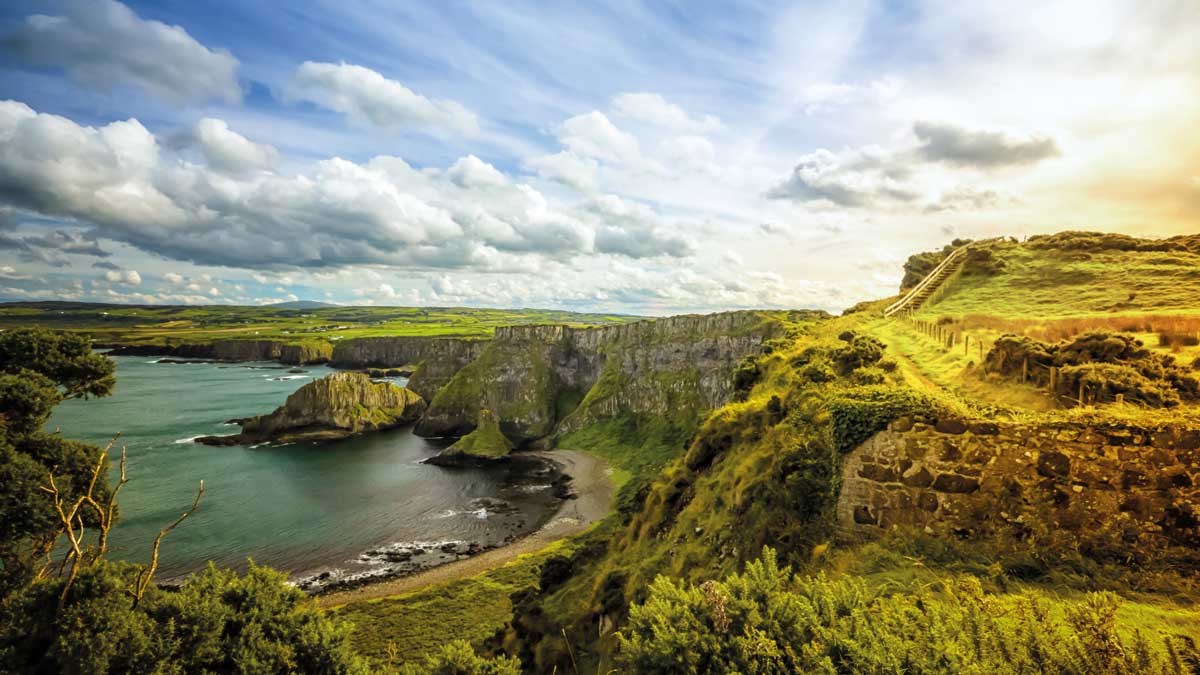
591	482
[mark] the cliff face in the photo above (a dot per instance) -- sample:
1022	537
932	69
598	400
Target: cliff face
335	406
436	359
541	380
236	350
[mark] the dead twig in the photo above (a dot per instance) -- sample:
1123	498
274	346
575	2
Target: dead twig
147	574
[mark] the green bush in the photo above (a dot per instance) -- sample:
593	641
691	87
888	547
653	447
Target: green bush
457	658
1105	364
217	622
862	351
767	621
858	413
868	375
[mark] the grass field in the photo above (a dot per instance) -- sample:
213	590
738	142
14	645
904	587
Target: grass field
145	324
1029	282
1051	289
410	626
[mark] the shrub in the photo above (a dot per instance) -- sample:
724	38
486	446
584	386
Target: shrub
767	621
1104	364
216	622
817	371
869	375
857	414
861	351
457	658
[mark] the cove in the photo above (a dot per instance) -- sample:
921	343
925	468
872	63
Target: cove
346	510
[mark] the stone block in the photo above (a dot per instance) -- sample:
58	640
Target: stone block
877	473
951	426
983	428
955	484
1053	465
917	477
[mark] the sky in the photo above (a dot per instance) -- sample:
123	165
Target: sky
644	158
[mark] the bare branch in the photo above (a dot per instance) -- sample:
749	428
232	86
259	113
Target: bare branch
147	574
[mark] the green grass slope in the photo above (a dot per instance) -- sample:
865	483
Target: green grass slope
1076	275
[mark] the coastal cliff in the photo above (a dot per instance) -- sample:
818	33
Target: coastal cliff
236	350
336	406
435	359
543	380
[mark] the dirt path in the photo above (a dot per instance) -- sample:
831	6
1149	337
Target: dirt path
591	481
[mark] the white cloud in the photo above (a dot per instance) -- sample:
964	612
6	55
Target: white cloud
653	109
981	148
369	97
580	173
103	44
632	229
333	213
594	135
230	152
472	172
824	97
173	278
10	273
128	277
860	178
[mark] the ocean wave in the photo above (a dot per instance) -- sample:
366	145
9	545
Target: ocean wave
529	489
189	439
480	513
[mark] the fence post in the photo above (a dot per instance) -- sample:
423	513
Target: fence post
1025	370
1120	399
966	345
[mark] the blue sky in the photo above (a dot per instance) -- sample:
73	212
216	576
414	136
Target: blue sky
638	157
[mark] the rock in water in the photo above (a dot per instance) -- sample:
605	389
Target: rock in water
485	444
336	406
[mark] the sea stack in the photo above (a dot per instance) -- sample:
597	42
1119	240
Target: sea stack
483	445
333	407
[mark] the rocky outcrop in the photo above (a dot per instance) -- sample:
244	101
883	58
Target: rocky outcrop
542	380
236	350
960	477
485	444
434	360
336	406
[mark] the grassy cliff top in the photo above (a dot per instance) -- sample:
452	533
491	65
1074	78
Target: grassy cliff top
1076	274
158	324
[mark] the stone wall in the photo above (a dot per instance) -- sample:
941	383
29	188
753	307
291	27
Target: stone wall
958	477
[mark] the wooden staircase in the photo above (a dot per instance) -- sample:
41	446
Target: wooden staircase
931	284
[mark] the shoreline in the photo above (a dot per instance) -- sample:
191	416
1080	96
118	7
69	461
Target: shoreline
591	483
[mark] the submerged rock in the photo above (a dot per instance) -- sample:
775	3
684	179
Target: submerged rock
336	406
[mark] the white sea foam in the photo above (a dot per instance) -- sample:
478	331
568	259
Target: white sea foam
189	439
533	488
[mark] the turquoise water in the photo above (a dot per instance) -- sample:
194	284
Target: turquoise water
301	508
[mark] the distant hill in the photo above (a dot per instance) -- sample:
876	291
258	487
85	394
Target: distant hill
302	304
